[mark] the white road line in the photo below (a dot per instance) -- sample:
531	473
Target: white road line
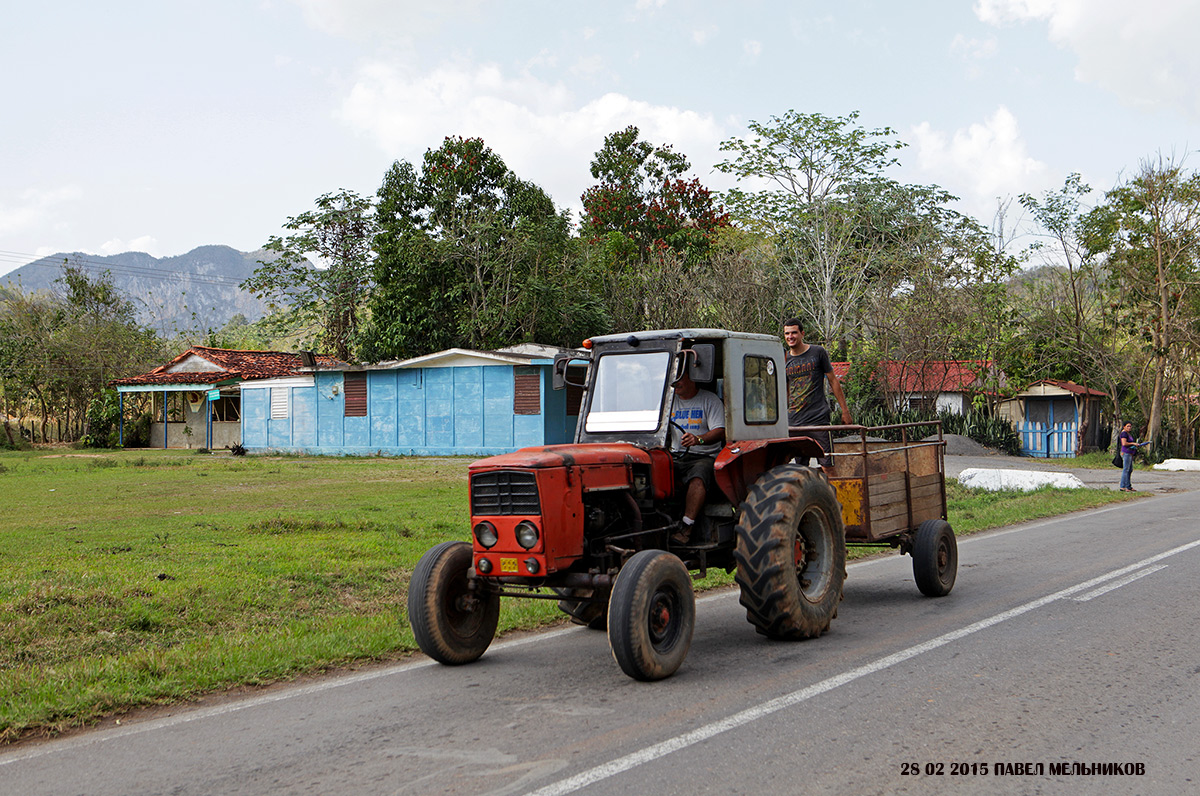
1125	581
664	748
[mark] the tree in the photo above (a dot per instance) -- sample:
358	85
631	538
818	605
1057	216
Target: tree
1076	330
59	350
649	230
641	203
338	234
472	255
825	178
1149	232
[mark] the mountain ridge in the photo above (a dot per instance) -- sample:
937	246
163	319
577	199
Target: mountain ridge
194	291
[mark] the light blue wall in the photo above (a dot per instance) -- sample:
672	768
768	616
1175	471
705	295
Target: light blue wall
256	409
415	411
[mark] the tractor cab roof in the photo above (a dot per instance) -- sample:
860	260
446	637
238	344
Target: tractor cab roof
681	334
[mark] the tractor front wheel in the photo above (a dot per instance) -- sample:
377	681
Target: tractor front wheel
651	615
453	623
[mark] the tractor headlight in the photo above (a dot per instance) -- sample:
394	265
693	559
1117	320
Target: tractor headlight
485	534
527	534
484	566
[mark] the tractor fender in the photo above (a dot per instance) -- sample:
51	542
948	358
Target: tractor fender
739	464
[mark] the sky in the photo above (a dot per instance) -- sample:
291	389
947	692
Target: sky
164	125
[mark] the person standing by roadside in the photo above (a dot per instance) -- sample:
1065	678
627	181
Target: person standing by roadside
1129	446
808	367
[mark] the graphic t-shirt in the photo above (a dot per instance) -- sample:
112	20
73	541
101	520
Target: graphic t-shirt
807	404
697	415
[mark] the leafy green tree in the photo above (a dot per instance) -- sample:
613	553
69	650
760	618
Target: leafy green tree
641	203
825	191
1075	326
650	231
58	350
339	235
472	255
1148	231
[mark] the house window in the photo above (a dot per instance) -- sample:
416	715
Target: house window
922	403
355	387
279	403
760	390
227	409
527	391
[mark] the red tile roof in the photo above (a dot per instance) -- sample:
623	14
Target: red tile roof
234	365
925	376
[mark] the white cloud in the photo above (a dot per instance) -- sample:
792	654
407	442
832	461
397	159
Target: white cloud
643	5
980	163
752	47
702	36
145	243
972	48
36	207
540	130
1144	52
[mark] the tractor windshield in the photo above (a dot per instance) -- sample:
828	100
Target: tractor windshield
627	393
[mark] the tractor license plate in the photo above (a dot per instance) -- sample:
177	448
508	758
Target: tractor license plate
508	565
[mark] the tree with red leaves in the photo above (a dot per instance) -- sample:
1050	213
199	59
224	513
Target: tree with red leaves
642	205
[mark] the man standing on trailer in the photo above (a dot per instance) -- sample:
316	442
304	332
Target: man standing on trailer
808	367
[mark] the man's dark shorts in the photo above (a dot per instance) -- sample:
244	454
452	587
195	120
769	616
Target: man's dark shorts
689	466
823	438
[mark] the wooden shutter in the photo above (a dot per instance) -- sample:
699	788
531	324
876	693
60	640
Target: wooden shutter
527	391
355	387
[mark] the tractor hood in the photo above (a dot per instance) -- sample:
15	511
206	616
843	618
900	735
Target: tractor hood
565	456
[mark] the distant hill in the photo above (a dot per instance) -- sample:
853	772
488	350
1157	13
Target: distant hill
194	291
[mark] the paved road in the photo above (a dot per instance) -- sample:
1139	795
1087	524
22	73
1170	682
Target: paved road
1067	641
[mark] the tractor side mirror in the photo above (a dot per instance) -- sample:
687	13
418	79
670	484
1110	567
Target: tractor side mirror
702	361
558	379
698	360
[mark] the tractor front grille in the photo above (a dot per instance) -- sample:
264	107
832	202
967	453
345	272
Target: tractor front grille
504	492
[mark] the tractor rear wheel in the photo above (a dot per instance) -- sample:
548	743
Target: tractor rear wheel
935	558
651	615
453	623
791	553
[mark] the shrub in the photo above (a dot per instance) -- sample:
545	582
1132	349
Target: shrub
979	425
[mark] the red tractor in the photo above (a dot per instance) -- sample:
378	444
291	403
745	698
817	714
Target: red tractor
590	524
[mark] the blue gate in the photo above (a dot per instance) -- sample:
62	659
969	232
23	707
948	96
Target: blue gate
1050	427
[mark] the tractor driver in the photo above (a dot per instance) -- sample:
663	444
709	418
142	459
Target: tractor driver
698	433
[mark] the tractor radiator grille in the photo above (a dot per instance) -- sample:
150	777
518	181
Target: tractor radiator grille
504	492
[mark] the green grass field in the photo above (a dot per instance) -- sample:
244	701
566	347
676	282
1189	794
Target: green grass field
145	577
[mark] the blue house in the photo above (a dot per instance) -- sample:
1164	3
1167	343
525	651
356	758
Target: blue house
454	402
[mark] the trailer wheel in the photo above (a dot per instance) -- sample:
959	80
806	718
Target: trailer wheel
935	558
791	553
589	613
651	615
453	624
